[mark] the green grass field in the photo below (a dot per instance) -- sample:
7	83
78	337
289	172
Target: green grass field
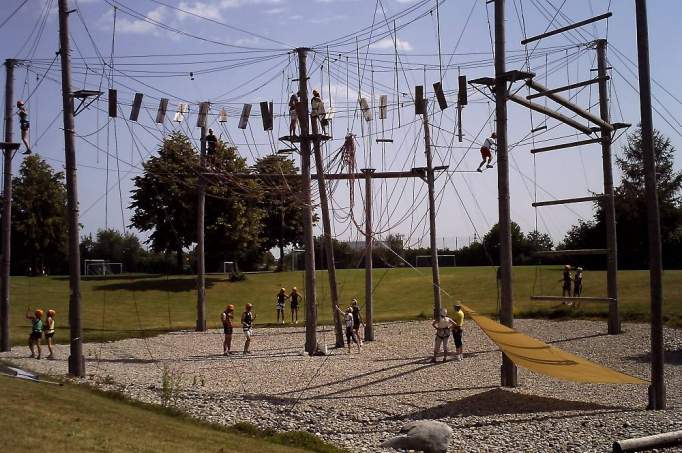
70	418
136	305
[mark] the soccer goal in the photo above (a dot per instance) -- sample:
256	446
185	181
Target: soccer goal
443	260
101	267
229	267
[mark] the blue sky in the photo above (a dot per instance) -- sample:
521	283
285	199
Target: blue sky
239	52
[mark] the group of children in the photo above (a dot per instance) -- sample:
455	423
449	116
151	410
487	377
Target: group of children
294	299
576	280
446	326
352	321
40	328
247	318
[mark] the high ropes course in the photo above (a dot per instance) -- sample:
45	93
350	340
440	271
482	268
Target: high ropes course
394	134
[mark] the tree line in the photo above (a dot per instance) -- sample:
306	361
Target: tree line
248	217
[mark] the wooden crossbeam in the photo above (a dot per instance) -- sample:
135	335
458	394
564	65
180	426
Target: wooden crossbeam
551	113
567	87
565	145
574	252
571	299
567	201
566	28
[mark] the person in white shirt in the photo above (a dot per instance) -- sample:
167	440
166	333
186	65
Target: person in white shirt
488	145
443	327
317	112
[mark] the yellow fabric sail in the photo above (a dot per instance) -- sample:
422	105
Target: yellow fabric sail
542	358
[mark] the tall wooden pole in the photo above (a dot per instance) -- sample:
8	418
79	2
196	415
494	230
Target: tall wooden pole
76	360
657	397
609	205
327	236
5	344
430	180
201	257
308	239
508	370
369	264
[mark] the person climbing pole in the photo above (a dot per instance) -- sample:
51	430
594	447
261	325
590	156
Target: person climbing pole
443	327
486	152
211	143
36	331
317	112
295	299
247	326
226	318
293	100
24	125
281	301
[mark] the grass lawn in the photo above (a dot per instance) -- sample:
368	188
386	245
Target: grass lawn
41	417
136	305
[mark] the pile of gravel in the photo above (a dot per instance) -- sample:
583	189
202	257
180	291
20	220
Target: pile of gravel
359	400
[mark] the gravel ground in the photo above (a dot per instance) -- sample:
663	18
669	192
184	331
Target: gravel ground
358	400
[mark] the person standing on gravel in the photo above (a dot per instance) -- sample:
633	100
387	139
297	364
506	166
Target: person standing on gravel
350	333
567	280
247	326
443	327
357	319
457	330
281	301
226	318
295	299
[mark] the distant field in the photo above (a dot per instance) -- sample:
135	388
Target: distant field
43	417
135	305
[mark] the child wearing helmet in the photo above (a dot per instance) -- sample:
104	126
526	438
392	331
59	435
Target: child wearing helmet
457	330
488	145
247	326
36	331
350	333
295	299
357	319
49	331
578	282
567	279
226	318
281	301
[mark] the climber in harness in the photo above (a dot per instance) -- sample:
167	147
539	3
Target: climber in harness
24	125
211	143
293	100
317	112
443	327
488	145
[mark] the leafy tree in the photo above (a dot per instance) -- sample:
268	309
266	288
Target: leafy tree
282	204
39	228
164	198
111	245
491	243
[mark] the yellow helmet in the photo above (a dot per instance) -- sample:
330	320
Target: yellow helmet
230	307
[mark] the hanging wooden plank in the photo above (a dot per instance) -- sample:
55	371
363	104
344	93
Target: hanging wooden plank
383	106
462	92
266	115
244	118
419	100
161	112
113	104
137	103
366	111
222	116
182	110
203	113
440	96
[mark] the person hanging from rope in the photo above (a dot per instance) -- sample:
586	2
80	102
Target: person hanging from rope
281	301
317	112
486	152
36	331
357	319
443	327
24	125
226	318
350	333
567	280
293	100
49	332
294	297
247	326
211	143
457	330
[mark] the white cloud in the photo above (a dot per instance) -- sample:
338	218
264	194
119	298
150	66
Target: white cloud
136	26
200	9
326	20
247	41
275	10
387	43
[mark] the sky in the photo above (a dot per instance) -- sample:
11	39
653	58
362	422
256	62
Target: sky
232	52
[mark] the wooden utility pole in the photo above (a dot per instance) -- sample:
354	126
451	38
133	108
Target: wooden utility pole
5	344
609	202
430	180
201	257
308	239
369	249
76	360
508	371
657	397
327	236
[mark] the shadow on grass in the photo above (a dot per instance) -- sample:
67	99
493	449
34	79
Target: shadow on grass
174	285
503	402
